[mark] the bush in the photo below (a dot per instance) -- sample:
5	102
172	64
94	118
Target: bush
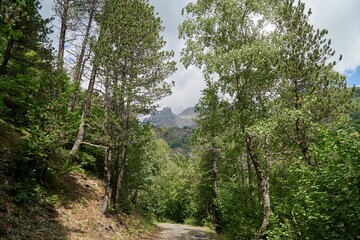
323	201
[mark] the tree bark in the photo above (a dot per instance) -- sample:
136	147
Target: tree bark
250	181
7	56
107	179
80	60
117	170
85	112
302	143
62	37
262	173
120	177
215	206
108	161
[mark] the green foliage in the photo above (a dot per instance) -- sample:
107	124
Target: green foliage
355	113
86	161
321	201
240	218
130	59
178	139
25	34
40	154
166	191
277	88
264	113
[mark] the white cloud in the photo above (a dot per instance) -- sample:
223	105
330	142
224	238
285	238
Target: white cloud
341	18
188	82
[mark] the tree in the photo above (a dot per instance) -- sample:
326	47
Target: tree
133	65
307	81
25	59
276	82
92	9
224	39
25	36
210	127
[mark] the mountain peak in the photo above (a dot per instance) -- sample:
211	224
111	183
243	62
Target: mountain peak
188	111
166	118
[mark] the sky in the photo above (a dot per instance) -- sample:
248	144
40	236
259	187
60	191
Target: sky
340	17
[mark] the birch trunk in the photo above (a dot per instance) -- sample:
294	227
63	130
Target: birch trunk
262	174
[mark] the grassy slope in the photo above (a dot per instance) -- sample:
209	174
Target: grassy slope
69	207
75	215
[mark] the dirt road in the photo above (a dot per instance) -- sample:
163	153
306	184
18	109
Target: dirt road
183	232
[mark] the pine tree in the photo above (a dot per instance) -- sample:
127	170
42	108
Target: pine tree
129	54
307	81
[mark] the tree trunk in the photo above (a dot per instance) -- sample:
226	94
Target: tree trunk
86	109
250	181
215	206
302	143
120	177
242	178
107	179
117	170
108	160
80	60
262	173
63	28
7	56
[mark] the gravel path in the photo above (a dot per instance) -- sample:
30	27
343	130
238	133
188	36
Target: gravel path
184	232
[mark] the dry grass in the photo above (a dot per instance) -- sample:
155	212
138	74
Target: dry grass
76	215
81	212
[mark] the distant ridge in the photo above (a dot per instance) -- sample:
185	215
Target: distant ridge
166	118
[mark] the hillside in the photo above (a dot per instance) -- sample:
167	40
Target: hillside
66	206
178	139
71	209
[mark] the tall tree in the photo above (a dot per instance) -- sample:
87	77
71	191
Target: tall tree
24	31
92	8
226	40
62	9
208	136
276	82
134	67
25	59
307	81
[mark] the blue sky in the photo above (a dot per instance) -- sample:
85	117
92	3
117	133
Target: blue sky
353	77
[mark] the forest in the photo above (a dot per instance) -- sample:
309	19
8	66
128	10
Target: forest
275	153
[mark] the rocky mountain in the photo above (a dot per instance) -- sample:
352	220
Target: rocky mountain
166	118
